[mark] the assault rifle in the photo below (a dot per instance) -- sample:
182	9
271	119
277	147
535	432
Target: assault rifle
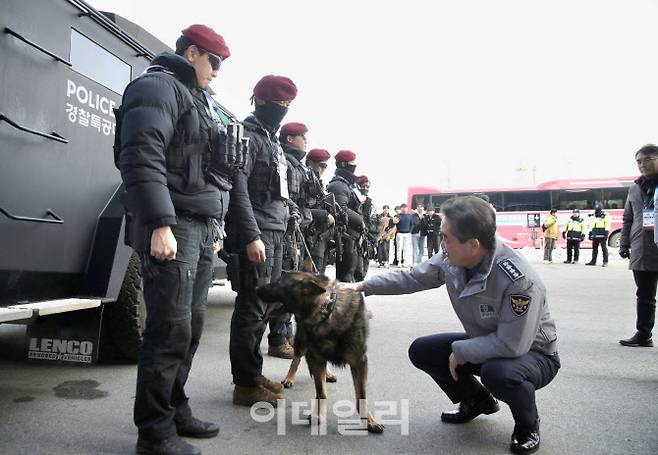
340	226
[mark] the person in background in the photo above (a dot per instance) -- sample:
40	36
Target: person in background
432	226
599	228
550	235
418	234
638	244
385	232
574	233
404	224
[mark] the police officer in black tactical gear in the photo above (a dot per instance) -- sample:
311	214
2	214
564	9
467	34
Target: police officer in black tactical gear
343	186
292	138
367	245
256	233
318	233
177	173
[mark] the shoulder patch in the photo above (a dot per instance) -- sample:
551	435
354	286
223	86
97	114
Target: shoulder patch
520	304
511	270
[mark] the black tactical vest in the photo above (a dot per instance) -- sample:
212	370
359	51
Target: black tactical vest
264	180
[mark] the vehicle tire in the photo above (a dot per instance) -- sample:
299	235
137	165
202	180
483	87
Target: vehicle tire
123	320
614	240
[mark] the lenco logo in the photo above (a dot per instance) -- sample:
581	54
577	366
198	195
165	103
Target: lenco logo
66	350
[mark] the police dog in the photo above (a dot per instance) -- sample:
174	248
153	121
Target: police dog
331	326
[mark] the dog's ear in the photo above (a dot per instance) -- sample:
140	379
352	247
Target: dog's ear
312	288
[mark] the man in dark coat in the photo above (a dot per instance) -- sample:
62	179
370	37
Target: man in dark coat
255	233
175	198
343	187
638	244
432	227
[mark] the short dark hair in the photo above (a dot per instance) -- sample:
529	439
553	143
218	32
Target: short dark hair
482	196
430	208
385	207
648	149
182	44
403	205
471	218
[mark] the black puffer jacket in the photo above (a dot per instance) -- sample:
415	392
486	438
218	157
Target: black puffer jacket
342	186
165	146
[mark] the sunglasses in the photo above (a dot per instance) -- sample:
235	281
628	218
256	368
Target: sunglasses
215	60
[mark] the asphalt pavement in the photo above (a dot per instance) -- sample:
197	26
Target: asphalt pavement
603	401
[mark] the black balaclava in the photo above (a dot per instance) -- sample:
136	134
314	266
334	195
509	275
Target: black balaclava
350	168
271	114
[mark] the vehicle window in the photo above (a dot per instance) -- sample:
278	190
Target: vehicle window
496	199
91	60
439	199
423	199
576	199
614	198
521	201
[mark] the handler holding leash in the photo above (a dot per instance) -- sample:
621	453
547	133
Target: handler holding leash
510	339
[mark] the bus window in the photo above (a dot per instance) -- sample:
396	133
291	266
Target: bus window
496	199
520	201
99	65
422	199
614	198
439	199
575	199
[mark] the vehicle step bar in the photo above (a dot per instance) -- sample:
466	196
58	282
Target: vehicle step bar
45	308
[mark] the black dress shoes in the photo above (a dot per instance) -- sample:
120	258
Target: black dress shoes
525	441
637	341
470	409
195	428
173	445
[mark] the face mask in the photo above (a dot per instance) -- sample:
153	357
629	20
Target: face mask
351	168
271	113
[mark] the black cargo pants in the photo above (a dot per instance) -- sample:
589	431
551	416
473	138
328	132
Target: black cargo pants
247	324
646	282
511	380
346	265
176	299
281	324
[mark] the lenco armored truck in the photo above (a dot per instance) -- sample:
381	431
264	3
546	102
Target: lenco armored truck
64	268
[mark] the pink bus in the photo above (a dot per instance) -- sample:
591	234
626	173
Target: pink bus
521	211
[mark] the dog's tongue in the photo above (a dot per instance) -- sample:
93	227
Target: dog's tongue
271	309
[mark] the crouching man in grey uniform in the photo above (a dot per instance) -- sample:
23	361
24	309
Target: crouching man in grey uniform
510	337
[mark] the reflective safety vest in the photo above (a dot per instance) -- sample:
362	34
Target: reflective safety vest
600	227
574	229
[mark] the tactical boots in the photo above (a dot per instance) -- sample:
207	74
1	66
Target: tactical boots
195	428
248	396
283	351
173	445
274	387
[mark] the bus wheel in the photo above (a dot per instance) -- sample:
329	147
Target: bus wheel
614	240
123	320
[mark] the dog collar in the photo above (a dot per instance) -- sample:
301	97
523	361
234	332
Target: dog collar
329	305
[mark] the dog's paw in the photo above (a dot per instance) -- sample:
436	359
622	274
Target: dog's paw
374	426
331	377
288	383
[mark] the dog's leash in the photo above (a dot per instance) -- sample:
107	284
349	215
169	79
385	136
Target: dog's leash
308	252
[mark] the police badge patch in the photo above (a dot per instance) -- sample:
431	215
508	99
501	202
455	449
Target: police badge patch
519	304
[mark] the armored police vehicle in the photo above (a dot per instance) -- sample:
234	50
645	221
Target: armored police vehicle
64	268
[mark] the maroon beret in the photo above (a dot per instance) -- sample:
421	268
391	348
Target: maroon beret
362	180
318	155
275	88
293	129
205	37
345	156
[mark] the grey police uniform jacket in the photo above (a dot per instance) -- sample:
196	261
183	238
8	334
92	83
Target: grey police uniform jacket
503	306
